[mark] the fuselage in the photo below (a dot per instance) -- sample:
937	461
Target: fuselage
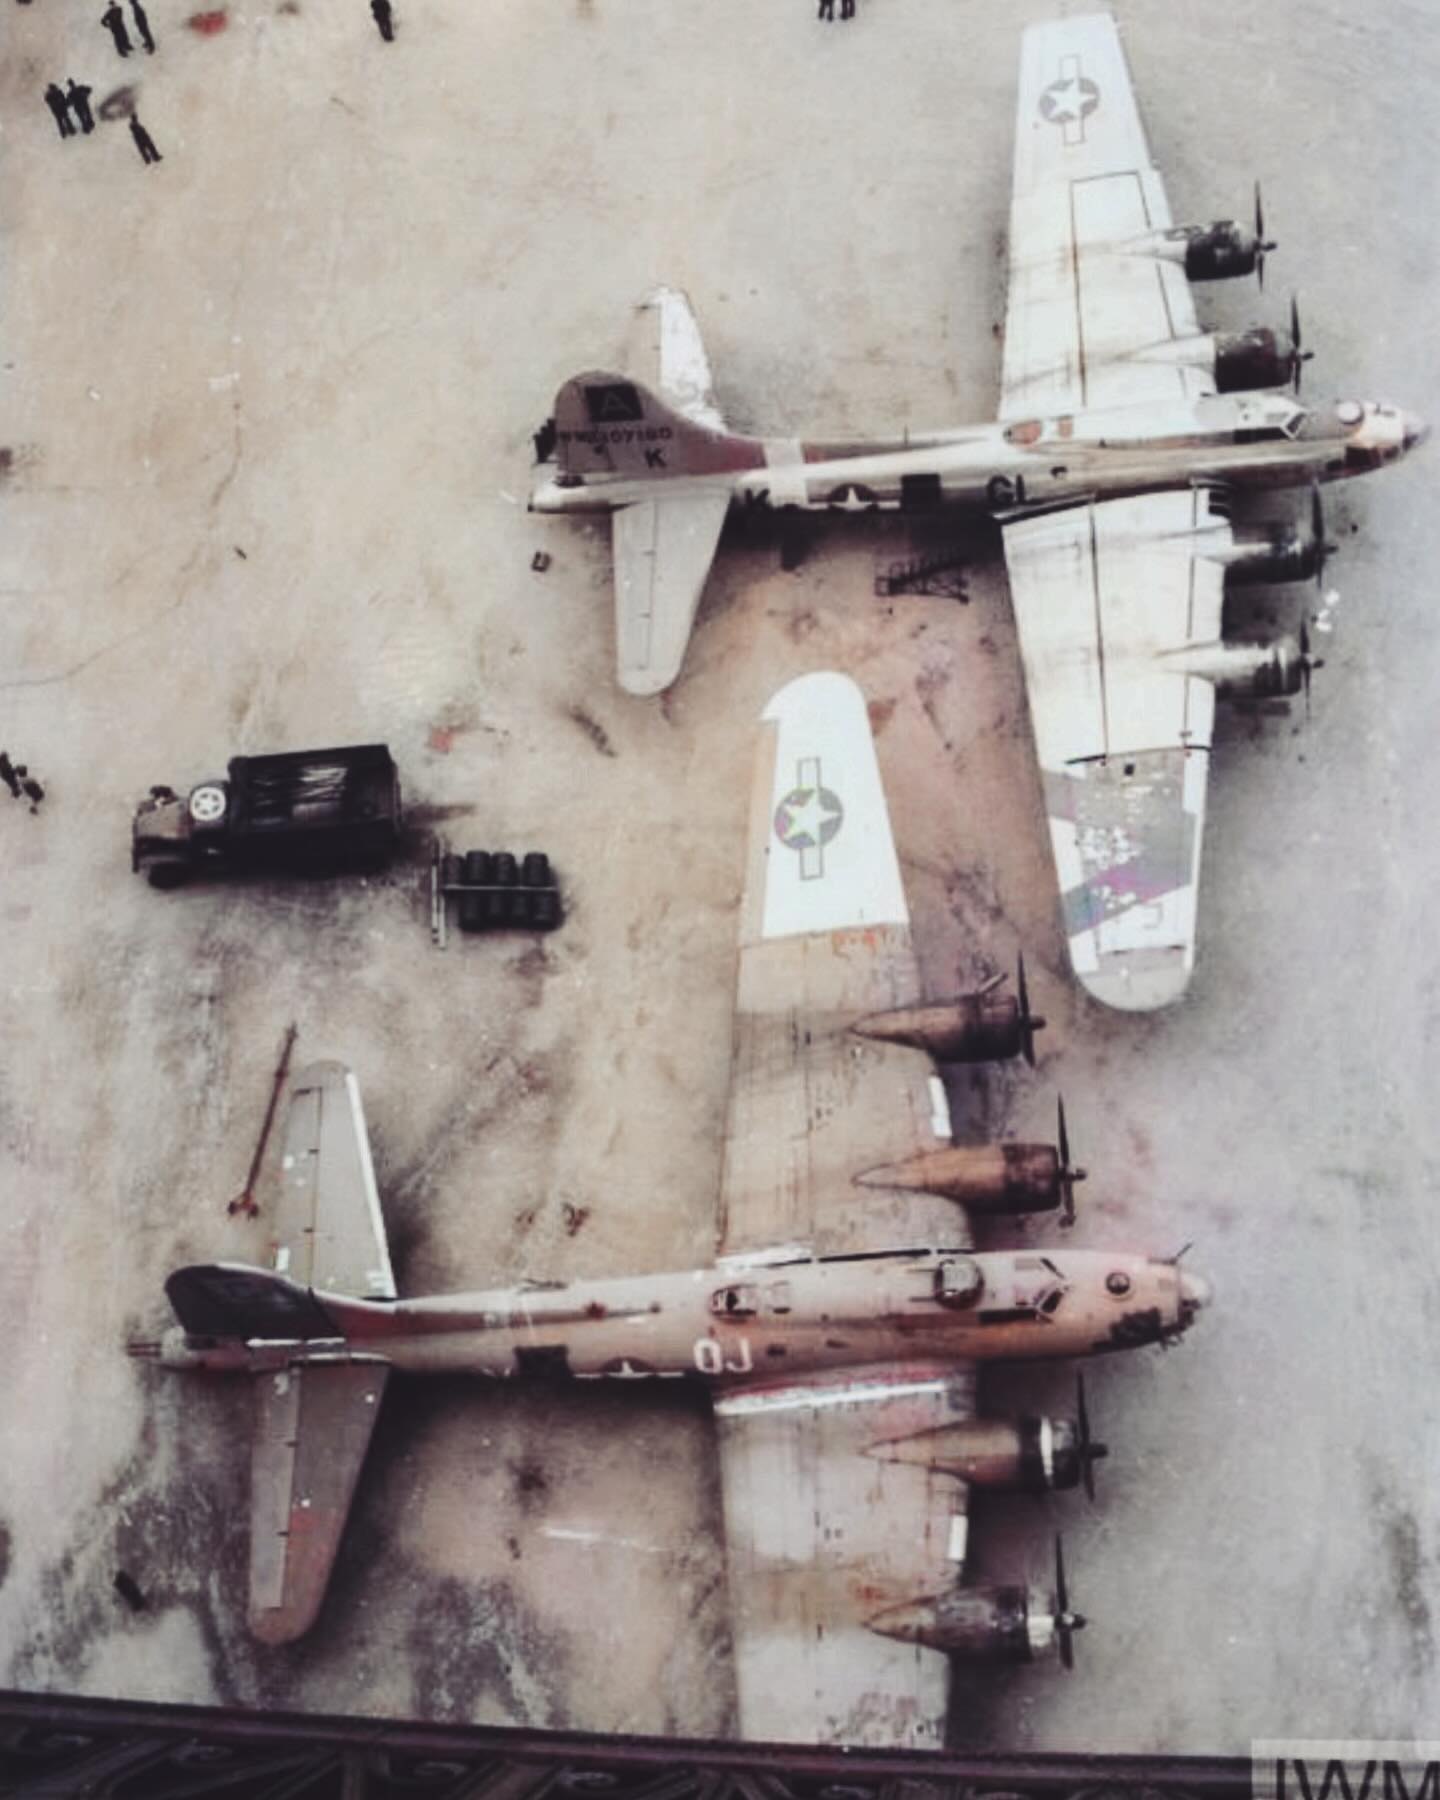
742	1322
1249	440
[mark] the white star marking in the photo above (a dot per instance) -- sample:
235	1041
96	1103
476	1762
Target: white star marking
1068	100
809	819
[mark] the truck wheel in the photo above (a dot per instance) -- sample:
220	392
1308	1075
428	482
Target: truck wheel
505	871
545	909
451	871
535	870
208	803
167	872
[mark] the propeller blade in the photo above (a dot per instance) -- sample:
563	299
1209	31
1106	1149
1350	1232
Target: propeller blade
1068	1175
1298	355
1067	1623
1262	244
1029	1023
1090	1452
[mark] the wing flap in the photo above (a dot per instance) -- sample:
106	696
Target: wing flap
821	1536
824	939
329	1231
1101	595
663	550
313	1424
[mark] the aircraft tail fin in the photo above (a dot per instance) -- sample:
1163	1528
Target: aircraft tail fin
233	1300
607	424
672	352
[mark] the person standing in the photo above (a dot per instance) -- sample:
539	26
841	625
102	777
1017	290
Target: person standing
79	98
114	22
847	9
144	143
59	109
142	25
827	9
384	17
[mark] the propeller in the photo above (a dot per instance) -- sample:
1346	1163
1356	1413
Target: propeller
1067	1623
1029	1022
1263	245
1308	663
1324	549
1297	355
1088	1450
1067	1175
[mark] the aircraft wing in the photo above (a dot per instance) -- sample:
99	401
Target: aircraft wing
329	1233
1107	599
313	1422
820	1535
1088	320
663	549
824	939
312	1429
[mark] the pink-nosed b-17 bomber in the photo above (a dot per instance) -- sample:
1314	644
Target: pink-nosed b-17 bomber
840	1329
1124	433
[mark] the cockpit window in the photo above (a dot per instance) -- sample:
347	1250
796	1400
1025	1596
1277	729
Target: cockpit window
1027	432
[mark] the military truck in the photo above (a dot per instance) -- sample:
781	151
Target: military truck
300	812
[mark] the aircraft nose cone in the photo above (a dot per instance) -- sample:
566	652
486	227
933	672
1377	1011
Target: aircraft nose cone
1195	1291
1415	431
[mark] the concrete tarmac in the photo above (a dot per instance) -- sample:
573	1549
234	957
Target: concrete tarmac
267	407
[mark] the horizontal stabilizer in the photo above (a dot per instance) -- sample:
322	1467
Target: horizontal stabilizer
232	1300
313	1424
329	1232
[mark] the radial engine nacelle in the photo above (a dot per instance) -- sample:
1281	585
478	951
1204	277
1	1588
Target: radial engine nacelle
999	1624
1246	671
984	1178
987	1025
1028	1455
983	1623
1218	251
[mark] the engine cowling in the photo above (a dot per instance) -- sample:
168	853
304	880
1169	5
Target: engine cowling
987	1026
1246	671
1030	1455
991	1623
1272	553
1259	358
1218	251
984	1178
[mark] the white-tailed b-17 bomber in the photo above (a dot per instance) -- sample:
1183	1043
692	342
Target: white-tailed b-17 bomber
1123	436
839	1331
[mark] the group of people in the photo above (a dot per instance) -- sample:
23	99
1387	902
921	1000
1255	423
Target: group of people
827	9
74	97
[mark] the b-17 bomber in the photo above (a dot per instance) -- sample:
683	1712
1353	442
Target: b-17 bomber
839	1331
1125	436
